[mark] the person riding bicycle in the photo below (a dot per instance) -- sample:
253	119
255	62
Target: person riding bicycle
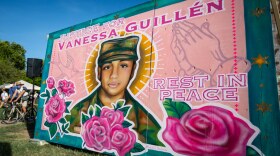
4	96
20	95
11	92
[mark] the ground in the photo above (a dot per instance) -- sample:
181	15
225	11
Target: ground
15	141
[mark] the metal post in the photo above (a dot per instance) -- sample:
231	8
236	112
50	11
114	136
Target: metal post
32	102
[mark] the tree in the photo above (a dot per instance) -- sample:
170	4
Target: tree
13	53
12	64
8	73
37	80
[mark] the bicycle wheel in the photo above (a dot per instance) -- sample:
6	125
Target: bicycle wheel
4	114
5	111
11	116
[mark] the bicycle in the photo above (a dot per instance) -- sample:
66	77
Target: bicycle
13	113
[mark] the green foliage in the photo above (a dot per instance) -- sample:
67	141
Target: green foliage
52	128
137	148
125	110
175	108
97	111
37	80
62	120
91	111
126	124
251	151
68	103
8	73
65	127
119	104
54	91
84	118
12	64
13	53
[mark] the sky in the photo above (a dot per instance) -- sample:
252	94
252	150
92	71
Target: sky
28	22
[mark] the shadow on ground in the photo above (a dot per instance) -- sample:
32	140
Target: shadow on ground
30	126
5	148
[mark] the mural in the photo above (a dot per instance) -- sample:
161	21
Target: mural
117	63
171	80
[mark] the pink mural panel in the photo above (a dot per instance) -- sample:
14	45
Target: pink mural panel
173	79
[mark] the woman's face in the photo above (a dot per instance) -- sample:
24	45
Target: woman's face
115	77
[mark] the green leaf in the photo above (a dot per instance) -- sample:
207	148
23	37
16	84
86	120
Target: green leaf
97	110
137	148
67	110
47	124
251	151
126	124
68	103
48	93
127	154
43	95
90	111
79	106
125	110
84	118
65	127
53	129
54	91
62	120
175	108
119	104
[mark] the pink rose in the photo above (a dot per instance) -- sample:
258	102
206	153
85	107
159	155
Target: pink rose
50	82
114	117
66	87
209	130
55	108
95	133
122	139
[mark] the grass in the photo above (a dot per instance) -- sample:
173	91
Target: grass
1	113
15	141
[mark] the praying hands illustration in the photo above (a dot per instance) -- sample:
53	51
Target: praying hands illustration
198	51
